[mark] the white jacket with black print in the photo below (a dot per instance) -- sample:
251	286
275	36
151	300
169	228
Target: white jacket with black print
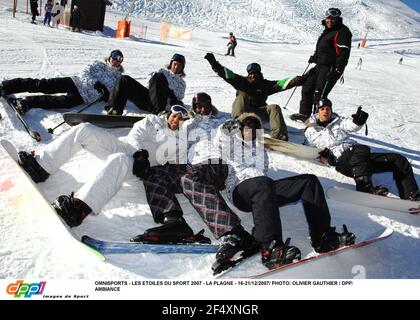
335	136
96	71
246	160
163	144
201	135
175	81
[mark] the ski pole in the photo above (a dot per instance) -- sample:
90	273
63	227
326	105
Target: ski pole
295	88
51	130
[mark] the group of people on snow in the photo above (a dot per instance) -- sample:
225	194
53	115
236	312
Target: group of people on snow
196	153
54	14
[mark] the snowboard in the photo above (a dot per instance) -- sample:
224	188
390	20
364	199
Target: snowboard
382	235
372	200
101	120
111	247
22	196
292	149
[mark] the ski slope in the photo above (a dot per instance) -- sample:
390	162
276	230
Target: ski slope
387	90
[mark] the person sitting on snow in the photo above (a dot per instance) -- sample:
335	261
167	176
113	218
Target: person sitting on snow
330	132
252	93
154	140
200	178
252	191
166	88
96	80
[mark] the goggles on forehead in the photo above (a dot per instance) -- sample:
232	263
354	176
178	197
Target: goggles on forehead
180	109
332	12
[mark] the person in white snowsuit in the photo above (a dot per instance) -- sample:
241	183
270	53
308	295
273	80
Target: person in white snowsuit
329	132
57	14
252	191
158	137
166	88
94	82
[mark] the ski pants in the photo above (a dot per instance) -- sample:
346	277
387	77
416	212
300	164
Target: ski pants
65	85
200	188
358	161
262	196
110	176
154	99
231	50
316	86
271	113
47	18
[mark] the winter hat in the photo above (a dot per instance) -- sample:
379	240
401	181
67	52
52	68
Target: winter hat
116	55
250	119
325	102
253	67
201	98
179	58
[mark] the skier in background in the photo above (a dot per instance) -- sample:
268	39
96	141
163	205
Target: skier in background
330	133
400	61
57	14
48	9
34	10
359	64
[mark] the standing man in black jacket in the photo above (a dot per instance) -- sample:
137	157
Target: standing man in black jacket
331	56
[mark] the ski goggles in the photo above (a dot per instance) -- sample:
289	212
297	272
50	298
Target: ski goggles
332	12
181	110
117	56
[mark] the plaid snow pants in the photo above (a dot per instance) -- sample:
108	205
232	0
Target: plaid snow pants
200	184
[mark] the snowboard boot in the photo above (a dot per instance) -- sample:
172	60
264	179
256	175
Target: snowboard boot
299	117
332	240
237	245
278	253
28	162
414	196
21	105
364	184
71	209
174	230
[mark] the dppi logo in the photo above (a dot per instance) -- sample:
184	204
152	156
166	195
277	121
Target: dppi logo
27	290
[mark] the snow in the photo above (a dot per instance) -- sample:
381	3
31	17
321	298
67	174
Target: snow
387	90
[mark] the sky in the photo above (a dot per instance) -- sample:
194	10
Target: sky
415	4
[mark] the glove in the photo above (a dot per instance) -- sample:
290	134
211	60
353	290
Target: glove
328	156
334	75
232	126
141	166
100	87
312	59
360	117
296	82
210	58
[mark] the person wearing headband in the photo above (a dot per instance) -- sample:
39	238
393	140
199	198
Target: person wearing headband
331	56
93	83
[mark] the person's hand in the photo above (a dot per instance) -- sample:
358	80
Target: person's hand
210	58
360	117
327	157
100	87
141	165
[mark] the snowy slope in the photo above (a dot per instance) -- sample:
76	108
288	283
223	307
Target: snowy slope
388	91
288	21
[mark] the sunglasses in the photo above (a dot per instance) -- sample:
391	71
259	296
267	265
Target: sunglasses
180	109
334	13
117	57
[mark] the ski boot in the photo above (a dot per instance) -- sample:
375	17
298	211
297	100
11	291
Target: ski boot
28	162
332	240
277	254
72	210
174	230
364	184
237	245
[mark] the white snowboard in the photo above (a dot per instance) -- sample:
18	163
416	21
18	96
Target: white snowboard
371	200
